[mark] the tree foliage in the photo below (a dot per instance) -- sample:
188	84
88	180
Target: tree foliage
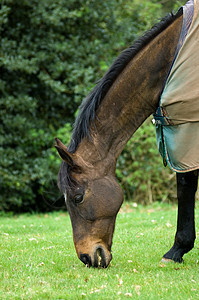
52	52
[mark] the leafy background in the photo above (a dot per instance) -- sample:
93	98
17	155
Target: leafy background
52	53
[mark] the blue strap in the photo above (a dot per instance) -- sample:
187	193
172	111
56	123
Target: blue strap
160	119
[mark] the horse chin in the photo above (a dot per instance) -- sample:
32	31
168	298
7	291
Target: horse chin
100	257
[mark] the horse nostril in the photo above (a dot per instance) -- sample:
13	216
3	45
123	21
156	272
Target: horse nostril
85	258
99	258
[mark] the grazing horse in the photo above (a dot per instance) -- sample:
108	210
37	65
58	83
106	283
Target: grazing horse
125	97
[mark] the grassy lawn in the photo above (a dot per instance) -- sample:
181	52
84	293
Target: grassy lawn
38	259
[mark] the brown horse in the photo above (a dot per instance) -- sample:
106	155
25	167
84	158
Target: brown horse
124	98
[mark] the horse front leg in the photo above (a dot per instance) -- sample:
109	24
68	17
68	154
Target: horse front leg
185	236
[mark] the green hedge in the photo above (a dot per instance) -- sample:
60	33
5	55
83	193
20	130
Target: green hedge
52	52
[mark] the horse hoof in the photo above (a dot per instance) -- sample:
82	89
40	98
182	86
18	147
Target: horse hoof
166	260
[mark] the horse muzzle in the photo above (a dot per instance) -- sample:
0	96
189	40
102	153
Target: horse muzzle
99	258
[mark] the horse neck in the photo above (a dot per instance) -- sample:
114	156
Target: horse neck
132	98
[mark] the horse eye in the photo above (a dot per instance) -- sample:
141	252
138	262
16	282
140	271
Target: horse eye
78	199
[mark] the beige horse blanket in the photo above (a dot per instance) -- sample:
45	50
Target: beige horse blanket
177	118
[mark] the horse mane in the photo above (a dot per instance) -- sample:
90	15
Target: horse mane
89	106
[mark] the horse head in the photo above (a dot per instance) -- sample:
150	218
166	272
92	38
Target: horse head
93	200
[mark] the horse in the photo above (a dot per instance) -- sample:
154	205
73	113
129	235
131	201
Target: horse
117	106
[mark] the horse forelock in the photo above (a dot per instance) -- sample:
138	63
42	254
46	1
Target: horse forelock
65	181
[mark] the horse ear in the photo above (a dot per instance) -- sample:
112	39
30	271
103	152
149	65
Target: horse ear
64	154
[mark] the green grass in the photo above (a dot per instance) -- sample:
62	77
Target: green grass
38	259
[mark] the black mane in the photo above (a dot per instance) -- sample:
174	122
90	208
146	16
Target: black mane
89	106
